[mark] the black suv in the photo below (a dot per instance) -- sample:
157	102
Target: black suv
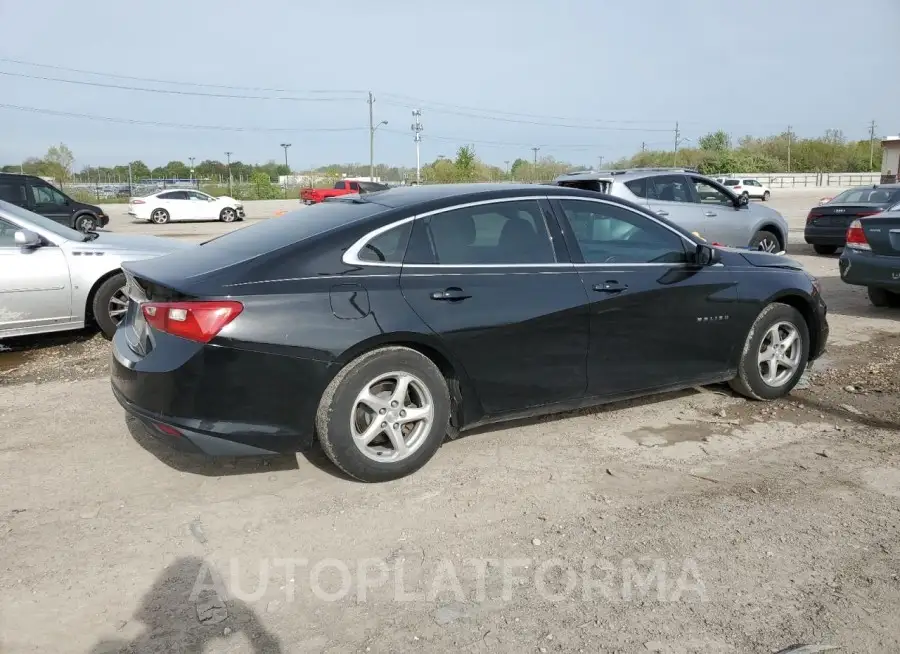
33	193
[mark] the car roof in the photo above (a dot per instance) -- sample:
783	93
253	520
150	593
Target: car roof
622	174
404	196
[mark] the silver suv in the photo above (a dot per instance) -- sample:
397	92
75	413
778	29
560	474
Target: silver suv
693	202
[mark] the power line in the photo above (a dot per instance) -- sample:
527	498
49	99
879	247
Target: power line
145	89
154	123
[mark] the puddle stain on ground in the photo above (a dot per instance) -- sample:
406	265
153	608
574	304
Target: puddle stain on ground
673	434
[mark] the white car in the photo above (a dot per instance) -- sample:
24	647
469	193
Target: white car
184	204
744	186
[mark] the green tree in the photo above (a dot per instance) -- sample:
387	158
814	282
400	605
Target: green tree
59	159
465	163
139	170
262	186
715	141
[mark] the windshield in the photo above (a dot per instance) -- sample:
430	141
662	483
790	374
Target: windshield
29	218
731	182
874	195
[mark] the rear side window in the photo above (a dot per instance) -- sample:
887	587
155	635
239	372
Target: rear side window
173	195
496	233
638	187
731	182
13	191
609	234
387	247
354	186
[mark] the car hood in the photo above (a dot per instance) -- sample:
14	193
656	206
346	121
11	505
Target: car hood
762	259
131	244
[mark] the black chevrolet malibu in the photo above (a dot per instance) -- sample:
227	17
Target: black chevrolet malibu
380	324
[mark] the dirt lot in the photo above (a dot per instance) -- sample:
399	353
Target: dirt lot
692	522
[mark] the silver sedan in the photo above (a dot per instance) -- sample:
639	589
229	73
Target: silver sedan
53	278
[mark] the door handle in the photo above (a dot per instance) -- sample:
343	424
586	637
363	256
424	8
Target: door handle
452	294
662	212
610	286
710	214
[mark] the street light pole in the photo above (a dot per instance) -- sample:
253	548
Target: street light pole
534	170
191	159
230	180
286	174
417	130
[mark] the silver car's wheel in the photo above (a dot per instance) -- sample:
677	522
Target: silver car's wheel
766	242
228	215
392	416
780	354
117	306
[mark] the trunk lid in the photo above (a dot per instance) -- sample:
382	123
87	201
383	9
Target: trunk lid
883	233
841	214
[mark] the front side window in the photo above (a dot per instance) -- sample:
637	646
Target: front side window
354	186
668	188
196	195
387	247
709	194
609	234
43	194
497	233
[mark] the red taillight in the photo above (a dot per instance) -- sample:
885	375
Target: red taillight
856	237
737	188
137	202
197	321
810	217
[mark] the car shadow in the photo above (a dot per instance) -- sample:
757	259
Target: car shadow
187	610
200	464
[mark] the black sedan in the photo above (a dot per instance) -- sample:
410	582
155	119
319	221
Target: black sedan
382	323
826	225
872	257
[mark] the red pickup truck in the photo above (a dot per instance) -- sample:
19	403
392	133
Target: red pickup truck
344	187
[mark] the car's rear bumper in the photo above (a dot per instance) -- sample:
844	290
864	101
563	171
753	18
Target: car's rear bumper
825	235
217	399
862	268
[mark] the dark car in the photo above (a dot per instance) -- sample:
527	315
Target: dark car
871	257
381	323
826	225
35	194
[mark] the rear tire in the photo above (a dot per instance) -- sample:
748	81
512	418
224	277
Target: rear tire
880	297
159	217
825	249
109	297
761	352
766	241
344	416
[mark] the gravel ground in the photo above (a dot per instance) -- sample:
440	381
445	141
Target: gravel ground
690	522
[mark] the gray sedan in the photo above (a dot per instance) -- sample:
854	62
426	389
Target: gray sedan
693	202
53	278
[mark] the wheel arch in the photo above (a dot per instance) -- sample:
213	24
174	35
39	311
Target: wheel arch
775	229
465	406
89	302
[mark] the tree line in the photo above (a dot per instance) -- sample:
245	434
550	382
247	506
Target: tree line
713	153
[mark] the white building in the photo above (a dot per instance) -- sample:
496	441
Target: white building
890	159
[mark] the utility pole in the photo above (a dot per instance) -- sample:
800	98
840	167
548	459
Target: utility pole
871	144
230	179
677	141
371	137
287	167
790	136
600	165
417	128
191	159
643	146
130	189
507	167
534	169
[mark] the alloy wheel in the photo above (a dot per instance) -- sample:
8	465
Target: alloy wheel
117	306
159	216
779	354
767	245
87	224
392	417
228	215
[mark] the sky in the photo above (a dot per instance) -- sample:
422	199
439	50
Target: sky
580	79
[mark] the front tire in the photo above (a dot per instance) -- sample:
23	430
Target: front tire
86	222
384	415
110	304
765	241
228	215
766	196
159	217
880	297
825	249
775	354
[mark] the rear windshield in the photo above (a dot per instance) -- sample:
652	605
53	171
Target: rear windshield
267	235
876	195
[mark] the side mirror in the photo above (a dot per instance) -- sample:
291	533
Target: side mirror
25	238
706	255
743	200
